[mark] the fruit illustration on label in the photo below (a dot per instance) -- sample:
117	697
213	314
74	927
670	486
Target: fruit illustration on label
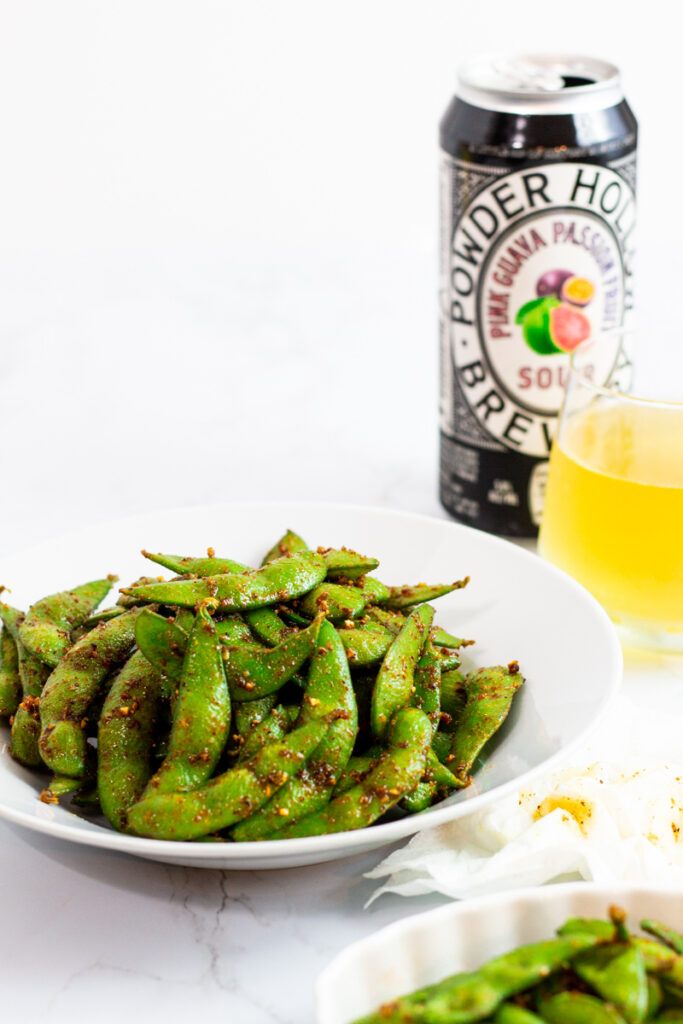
568	327
553	322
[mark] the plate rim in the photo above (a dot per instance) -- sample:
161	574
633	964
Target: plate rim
355	841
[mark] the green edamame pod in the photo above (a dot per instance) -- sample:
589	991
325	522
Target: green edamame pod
271	729
453	696
356	770
427	684
251	713
662	961
184	619
253	672
655	997
288	544
439	773
442	638
131	600
366	644
394	683
578	1008
229	797
490	692
283	580
420	798
125	738
665	934
392	620
201	718
94	620
398	772
603	930
188	566
441	745
510	1013
373	590
10	683
268	625
73	686
162	642
448	658
347	564
406	597
617	973
33	674
335	600
476	995
46	629
60	785
329	698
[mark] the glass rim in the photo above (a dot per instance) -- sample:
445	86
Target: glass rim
601	389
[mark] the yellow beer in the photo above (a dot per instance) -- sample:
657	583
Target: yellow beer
613	514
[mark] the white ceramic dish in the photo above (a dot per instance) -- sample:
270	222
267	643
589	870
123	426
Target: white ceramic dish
425	948
516	607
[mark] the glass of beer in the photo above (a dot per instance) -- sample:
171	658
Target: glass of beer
613	516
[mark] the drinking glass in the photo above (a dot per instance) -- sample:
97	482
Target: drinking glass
613	515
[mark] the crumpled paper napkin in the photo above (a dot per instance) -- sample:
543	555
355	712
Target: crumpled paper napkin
607	817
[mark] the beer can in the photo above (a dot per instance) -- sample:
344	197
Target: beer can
538	177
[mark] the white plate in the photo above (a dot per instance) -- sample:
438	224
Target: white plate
425	948
516	607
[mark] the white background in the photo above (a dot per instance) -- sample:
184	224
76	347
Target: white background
218	240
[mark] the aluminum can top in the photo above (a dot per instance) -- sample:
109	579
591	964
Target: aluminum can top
542	84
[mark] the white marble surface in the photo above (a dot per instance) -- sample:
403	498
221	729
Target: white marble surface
206	294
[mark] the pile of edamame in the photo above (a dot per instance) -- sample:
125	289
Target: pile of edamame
235	704
594	972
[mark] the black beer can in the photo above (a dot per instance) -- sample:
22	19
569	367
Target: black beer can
538	174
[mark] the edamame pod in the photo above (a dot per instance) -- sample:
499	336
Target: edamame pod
356	769
335	600
373	590
398	772
162	642
229	797
73	686
271	729
253	672
347	564
394	621
329	698
283	580
201	718
578	1008
427	685
125	738
46	629
366	644
10	683
664	934
663	962
60	785
420	798
394	684
617	973
440	774
490	692
406	597
251	713
268	625
510	1013
288	544
476	995
189	566
453	696
33	674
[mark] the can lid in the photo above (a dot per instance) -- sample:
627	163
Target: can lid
539	83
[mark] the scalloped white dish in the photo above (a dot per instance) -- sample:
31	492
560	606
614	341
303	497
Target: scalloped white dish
425	948
516	607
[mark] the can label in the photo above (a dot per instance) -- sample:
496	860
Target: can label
534	262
